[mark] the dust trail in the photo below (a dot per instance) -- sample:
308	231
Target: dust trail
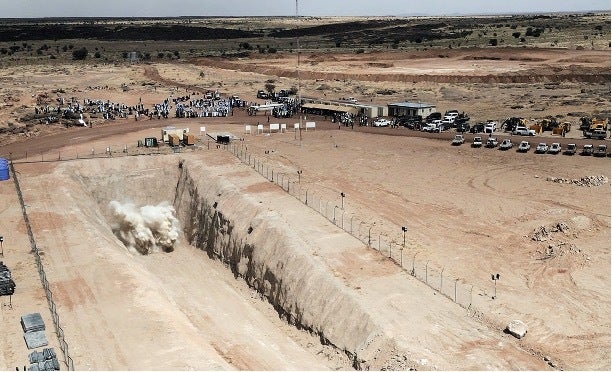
147	229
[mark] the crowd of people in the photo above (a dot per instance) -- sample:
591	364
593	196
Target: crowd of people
194	105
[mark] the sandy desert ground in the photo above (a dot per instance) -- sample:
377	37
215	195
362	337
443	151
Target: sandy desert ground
469	212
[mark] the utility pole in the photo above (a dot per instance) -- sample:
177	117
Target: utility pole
298	73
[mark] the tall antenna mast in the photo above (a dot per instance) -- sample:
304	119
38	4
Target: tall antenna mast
298	71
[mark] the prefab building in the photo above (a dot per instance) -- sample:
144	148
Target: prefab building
189	139
173	140
167	131
410	109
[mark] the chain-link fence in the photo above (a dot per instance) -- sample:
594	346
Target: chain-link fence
94	152
453	288
43	276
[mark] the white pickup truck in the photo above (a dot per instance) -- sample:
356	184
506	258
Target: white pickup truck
523	131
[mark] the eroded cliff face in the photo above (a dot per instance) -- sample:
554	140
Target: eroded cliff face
257	244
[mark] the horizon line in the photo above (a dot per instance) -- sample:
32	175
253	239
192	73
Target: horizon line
535	12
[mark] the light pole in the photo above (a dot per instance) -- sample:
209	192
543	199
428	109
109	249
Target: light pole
495	278
404	229
299	176
1	247
369	236
342	195
335	206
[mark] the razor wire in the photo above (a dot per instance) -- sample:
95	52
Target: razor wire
43	276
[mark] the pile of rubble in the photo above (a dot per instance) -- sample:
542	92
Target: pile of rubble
558	250
587	181
543	233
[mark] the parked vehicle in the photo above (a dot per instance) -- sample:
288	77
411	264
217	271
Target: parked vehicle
462	118
506	144
448	122
595	134
587	150
601	151
349	99
381	123
524	146
410	122
449	117
490	127
462	127
555	148
477	128
570	149
432	128
477	142
433	116
541	148
458	140
492	142
262	94
523	131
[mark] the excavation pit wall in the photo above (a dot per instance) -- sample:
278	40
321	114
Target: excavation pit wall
236	225
224	209
318	277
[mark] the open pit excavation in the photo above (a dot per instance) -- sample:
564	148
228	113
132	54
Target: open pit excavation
248	253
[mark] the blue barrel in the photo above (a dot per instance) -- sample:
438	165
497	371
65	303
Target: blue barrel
4	169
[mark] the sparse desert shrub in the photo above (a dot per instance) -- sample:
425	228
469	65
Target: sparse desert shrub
79	54
97	55
360	51
516	35
270	87
493	42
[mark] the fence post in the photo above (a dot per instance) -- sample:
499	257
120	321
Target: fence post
441	272
456	280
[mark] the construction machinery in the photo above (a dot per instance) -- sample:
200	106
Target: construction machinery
562	128
599	124
549	123
594	123
510	124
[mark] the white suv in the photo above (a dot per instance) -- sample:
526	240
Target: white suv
490	127
523	131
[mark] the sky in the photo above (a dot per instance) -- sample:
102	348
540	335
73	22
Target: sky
175	8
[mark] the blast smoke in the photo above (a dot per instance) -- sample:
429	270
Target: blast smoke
147	229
